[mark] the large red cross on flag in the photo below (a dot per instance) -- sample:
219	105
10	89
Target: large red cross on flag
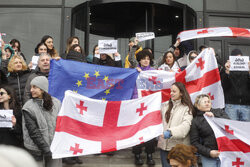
106	126
200	77
233	144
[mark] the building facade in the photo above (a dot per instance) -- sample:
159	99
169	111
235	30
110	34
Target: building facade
29	20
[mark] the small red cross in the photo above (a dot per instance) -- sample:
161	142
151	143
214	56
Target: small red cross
229	131
202	32
200	64
76	149
238	162
153	79
141	140
140	110
211	96
81	107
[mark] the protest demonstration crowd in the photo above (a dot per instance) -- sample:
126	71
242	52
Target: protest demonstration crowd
186	137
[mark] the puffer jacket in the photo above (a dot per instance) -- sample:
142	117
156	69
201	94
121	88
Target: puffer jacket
179	124
202	135
39	126
17	80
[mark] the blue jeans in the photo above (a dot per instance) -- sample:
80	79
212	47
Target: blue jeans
210	162
164	157
238	112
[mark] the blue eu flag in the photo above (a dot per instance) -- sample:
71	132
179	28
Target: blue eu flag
95	81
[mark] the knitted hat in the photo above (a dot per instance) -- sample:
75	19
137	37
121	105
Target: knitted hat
132	39
41	82
236	52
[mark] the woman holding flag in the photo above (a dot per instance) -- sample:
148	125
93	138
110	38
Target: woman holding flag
202	135
177	115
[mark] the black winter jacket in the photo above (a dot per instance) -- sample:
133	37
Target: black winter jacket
76	56
17	80
202	135
236	86
108	62
13	136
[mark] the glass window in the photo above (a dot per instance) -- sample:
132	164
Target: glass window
29	25
161	45
217	45
218	21
245	49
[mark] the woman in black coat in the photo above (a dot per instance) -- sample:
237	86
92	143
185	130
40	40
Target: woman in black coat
18	75
8	101
202	135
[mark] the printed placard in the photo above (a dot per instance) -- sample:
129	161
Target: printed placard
6	118
143	36
34	61
239	63
107	46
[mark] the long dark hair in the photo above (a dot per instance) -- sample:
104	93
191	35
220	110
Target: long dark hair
52	51
12	43
165	56
13	102
185	100
38	46
47	101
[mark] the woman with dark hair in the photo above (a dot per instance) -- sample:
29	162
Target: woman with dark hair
9	101
177	115
169	62
40	49
16	45
39	122
182	156
70	42
113	60
143	62
76	53
201	133
48	40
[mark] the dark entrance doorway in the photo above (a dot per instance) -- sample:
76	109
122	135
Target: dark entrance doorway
121	19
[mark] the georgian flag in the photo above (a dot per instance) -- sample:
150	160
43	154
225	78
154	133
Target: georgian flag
233	139
200	77
214	32
89	126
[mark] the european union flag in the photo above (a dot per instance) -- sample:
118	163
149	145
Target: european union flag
95	81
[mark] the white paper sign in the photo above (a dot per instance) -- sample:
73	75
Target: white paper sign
5	118
34	62
1	38
143	36
239	63
107	46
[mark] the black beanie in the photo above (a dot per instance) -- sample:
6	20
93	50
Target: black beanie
236	52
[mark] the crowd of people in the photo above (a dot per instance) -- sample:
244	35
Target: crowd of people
24	89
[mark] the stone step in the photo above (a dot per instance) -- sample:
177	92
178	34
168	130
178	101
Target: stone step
121	158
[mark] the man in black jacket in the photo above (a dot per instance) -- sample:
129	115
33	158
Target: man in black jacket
236	86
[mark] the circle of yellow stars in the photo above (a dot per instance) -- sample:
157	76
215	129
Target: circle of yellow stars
96	74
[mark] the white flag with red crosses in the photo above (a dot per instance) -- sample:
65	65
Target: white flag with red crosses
89	126
200	77
214	32
233	139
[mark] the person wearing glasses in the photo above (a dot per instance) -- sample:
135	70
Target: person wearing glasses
191	56
9	101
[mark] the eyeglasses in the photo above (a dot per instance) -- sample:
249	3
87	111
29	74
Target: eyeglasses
2	93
